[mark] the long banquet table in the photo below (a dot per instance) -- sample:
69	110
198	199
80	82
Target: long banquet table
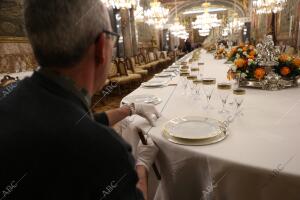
258	160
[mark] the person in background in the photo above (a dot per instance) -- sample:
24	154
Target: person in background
51	145
188	46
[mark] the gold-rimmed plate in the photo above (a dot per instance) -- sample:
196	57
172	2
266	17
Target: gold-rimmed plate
202	142
194	128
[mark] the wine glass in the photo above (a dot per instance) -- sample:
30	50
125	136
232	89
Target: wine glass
200	66
195	71
197	87
239	95
190	79
184	81
208	89
224	91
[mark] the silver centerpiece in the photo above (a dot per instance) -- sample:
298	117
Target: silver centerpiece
267	57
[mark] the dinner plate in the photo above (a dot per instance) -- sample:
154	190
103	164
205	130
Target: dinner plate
188	142
154	83
194	127
143	98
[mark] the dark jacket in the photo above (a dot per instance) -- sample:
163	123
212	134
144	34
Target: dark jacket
49	151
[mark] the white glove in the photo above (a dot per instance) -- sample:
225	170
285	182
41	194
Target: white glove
147	111
146	154
130	135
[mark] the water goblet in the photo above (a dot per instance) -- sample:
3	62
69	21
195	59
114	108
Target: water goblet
224	91
190	79
239	95
184	81
208	89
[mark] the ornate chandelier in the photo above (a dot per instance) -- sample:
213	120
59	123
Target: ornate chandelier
178	30
139	14
157	15
117	4
206	21
268	6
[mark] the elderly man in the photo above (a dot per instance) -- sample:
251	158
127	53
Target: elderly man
51	145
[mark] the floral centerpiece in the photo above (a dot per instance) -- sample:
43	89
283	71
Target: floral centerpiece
221	52
288	67
263	67
245	64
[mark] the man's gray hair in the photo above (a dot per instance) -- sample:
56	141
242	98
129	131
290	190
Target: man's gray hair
60	31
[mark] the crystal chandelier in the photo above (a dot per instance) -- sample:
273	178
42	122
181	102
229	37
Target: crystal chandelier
157	15
268	6
178	30
206	21
139	13
117	4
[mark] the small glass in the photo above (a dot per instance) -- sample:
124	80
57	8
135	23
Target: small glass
208	89
195	71
201	67
239	95
224	91
190	82
197	87
184	81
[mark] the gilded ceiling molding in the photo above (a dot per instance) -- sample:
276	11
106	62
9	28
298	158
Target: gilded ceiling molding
184	5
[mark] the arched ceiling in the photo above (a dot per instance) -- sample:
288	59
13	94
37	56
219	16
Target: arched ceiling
184	8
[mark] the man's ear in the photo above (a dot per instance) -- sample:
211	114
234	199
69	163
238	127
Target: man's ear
100	49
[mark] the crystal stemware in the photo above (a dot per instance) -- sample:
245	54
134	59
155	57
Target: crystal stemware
184	81
197	87
239	95
195	71
200	66
190	79
224	91
208	89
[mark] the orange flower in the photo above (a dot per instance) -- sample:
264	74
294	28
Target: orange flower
234	50
251	57
245	48
296	62
284	57
259	73
252	53
285	71
240	62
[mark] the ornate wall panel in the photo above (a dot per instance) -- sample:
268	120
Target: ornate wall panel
15	51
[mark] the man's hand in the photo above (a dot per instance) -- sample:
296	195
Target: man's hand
147	111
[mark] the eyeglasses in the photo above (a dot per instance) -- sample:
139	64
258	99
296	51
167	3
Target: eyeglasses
113	35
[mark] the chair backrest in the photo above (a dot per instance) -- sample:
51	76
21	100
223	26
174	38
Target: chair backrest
122	68
113	69
165	55
130	64
133	61
158	55
151	56
141	59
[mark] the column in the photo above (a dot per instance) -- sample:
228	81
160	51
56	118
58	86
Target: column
133	33
126	32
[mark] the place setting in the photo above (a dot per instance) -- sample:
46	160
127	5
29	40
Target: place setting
142	98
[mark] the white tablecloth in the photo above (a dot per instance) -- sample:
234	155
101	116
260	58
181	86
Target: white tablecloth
258	161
